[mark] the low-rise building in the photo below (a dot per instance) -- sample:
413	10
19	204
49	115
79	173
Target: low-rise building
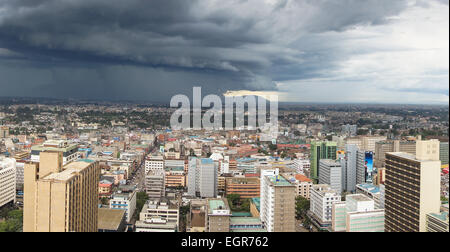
124	201
218	218
247	188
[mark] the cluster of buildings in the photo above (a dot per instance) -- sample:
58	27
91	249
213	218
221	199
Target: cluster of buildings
116	179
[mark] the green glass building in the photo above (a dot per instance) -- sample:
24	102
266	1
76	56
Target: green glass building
321	150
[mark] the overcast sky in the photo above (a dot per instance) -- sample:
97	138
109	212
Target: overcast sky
363	51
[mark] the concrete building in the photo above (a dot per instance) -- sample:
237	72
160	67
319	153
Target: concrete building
303	185
60	198
366	143
412	188
437	222
158	216
202	178
321	150
262	181
155	186
383	147
357	214
349	165
331	174
69	150
247	188
218	215
278	213
124	201
20	174
155	164
339	217
361	169
196	221
373	192
322	199
7	181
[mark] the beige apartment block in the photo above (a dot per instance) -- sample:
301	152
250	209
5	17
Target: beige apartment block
60	198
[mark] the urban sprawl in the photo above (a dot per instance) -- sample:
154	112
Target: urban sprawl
105	167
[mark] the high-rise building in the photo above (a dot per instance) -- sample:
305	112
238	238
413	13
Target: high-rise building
361	168
349	165
7	181
262	181
60	198
321	150
278	213
331	174
412	188
202	177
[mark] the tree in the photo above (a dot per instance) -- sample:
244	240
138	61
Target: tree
141	199
302	206
104	201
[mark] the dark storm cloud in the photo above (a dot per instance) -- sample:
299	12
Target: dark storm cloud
119	48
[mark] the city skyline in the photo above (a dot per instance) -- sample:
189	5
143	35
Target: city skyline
382	52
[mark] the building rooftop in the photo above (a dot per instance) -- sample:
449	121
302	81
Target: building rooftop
207	161
110	219
441	216
215	205
359	197
369	187
279	181
68	172
407	156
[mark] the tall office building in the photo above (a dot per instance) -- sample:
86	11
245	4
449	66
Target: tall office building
321	150
349	168
262	181
60	198
361	168
278	201
7	181
202	177
412	188
331	174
